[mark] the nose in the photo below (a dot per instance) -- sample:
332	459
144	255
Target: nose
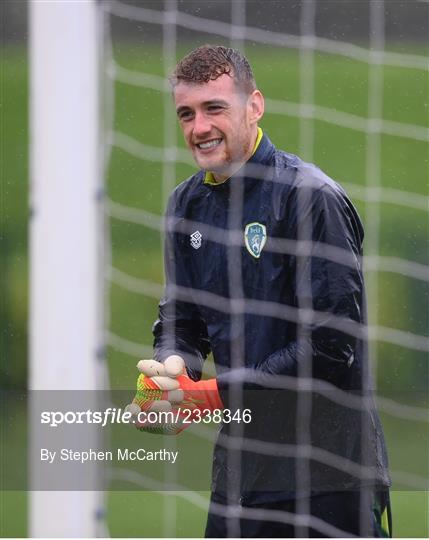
202	125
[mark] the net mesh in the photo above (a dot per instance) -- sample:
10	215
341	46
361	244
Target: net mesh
145	159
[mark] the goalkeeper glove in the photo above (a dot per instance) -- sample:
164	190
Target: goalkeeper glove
158	393
190	401
202	395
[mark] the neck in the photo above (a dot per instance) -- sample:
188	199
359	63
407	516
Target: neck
236	165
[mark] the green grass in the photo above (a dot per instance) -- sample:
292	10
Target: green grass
410	514
126	507
134	514
13	514
341	84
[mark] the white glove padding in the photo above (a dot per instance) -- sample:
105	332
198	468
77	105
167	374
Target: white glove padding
158	376
172	367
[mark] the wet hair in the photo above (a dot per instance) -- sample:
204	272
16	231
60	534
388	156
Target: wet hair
208	62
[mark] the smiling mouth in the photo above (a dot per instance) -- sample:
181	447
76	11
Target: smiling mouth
209	144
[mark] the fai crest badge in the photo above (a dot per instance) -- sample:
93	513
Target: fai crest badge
255	236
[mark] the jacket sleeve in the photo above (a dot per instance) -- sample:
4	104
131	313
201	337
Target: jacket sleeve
179	328
328	290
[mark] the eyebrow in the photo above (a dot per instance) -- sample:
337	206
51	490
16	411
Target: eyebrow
220	102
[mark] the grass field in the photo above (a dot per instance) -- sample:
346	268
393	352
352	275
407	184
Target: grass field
340	83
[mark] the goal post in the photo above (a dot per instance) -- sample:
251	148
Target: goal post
66	234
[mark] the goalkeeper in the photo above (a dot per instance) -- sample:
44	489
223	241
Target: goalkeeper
263	268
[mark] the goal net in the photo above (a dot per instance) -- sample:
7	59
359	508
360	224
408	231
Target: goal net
350	98
346	87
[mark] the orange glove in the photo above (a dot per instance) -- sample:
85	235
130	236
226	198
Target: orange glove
171	376
155	395
202	395
164	388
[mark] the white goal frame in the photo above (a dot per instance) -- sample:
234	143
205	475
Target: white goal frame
66	235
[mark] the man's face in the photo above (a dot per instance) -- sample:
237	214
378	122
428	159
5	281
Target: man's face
219	123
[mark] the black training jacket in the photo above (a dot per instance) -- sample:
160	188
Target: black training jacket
265	271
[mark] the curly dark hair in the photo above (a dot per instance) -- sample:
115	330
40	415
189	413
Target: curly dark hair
208	62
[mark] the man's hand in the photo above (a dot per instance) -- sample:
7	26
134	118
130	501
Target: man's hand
202	395
164	387
173	366
157	391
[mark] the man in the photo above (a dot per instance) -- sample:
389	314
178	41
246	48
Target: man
263	268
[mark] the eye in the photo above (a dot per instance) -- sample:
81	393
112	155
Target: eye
214	108
185	115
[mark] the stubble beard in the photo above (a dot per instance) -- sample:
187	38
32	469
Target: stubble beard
229	165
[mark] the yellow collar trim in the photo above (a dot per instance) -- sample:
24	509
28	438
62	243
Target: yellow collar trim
209	178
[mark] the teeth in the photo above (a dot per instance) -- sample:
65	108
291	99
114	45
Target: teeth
209	144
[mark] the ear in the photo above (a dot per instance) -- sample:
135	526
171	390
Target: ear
256	106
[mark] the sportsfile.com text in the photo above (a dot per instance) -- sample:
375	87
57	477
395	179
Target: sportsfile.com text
119	416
